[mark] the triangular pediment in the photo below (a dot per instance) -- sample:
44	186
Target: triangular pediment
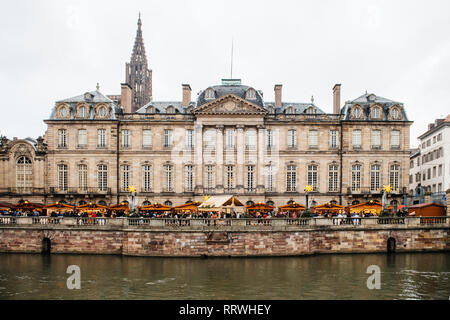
230	104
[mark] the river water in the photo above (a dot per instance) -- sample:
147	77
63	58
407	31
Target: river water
403	276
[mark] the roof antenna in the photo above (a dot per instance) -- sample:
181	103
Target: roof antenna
231	76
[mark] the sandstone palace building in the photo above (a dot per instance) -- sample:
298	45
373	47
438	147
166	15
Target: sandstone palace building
226	140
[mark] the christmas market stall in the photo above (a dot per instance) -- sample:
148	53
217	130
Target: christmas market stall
27	206
427	210
259	207
290	208
226	204
59	207
155	208
120	208
5	206
188	208
329	208
91	208
371	206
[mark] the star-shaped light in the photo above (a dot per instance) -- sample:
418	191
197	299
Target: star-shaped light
132	189
309	188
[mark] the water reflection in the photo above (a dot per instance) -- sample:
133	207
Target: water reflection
404	276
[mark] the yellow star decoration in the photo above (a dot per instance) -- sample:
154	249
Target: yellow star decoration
309	188
387	188
132	189
205	198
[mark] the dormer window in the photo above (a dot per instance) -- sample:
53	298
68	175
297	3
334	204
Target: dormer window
310	110
88	96
395	114
209	94
170	109
371	97
102	112
290	110
376	113
83	112
63	112
251	94
151	109
356	112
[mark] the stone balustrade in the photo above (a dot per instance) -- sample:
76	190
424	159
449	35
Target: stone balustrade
222	224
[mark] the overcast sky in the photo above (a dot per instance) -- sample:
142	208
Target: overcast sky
58	49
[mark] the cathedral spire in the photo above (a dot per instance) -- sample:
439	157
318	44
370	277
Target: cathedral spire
138	75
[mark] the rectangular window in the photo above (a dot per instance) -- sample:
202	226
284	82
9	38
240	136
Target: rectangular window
269	178
333	178
62	177
210	139
230	177
125	177
312	176
440	170
313	138
375	177
250	178
168	139
269	139
82	177
418	161
434	172
356	177
168	178
439	187
292	138
250	139
82	138
210	179
394	177
102	177
229	137
62	138
376	139
189	178
189	139
147	178
291	178
125	138
333	139
356	139
101	135
147	138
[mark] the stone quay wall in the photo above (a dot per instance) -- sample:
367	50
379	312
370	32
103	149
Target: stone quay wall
225	239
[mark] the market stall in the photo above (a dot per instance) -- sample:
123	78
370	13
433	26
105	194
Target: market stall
259	207
92	207
27	206
189	208
155	207
371	206
329	208
427	210
59	207
291	208
119	208
226	204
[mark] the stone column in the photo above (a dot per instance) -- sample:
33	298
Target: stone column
240	157
219	159
260	166
198	158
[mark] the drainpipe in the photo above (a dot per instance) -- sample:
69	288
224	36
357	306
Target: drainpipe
117	162
340	162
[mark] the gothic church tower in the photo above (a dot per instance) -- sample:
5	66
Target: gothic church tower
138	75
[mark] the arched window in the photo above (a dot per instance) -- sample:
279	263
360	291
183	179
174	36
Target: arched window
102	203
310	110
209	94
146	203
251	94
24	173
249	203
270	203
376	113
291	202
356	112
150	109
81	202
83	112
170	109
290	110
168	203
395	113
355	202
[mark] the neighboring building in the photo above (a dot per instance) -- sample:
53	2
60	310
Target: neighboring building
430	165
228	141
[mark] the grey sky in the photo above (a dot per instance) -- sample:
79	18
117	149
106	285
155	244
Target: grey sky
57	49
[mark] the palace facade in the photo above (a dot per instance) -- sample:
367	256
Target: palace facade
228	140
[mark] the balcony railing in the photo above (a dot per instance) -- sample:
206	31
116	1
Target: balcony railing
226	224
74	190
26	190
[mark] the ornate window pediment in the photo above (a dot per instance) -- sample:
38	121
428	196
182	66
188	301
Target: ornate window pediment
376	112
210	94
395	113
357	112
101	110
63	111
250	94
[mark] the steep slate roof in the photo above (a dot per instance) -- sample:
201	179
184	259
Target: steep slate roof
367	100
90	98
161	106
299	107
237	90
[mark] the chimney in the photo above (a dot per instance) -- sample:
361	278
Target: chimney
336	98
278	95
186	95
126	97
